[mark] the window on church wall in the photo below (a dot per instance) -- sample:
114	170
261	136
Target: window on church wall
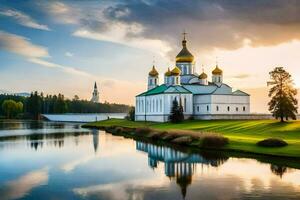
160	105
244	108
156	105
217	108
236	109
153	105
198	109
207	108
177	80
228	108
184	104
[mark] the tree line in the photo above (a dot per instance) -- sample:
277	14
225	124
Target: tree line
37	103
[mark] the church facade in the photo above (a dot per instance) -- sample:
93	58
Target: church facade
199	97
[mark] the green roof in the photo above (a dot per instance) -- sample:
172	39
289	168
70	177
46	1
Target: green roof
165	89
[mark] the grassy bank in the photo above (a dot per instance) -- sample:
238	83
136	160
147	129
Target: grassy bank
242	134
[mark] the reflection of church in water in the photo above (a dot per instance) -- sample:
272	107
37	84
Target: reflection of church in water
178	165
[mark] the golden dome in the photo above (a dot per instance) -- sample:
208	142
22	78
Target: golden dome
176	71
203	76
153	72
217	71
184	55
168	73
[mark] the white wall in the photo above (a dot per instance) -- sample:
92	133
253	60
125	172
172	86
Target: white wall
153	109
218	104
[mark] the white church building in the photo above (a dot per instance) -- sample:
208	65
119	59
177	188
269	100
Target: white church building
200	98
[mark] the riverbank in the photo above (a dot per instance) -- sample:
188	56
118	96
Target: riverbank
242	134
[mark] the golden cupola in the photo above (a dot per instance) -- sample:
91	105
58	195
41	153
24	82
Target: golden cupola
176	71
217	71
168	73
203	76
153	72
184	55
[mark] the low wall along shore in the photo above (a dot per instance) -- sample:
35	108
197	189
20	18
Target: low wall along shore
83	117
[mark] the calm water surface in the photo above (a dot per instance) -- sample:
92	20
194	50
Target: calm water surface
44	160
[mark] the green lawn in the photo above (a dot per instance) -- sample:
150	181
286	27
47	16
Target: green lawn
243	134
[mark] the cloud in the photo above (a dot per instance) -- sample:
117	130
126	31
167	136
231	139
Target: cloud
16	189
69	54
21	45
34	53
211	24
241	76
24	19
67	69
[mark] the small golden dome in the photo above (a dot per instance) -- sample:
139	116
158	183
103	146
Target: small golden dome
217	71
153	72
168	73
176	71
184	55
203	76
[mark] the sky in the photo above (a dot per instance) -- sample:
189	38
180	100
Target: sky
65	46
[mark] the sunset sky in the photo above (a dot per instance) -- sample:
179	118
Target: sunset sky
65	46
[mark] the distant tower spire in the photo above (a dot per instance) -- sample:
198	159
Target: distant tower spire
95	97
184	34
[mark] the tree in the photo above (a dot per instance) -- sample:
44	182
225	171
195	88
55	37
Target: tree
283	102
34	105
176	112
131	114
12	108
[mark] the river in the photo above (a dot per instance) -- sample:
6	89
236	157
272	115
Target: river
51	160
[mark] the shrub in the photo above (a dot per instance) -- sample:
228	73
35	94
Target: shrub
183	140
119	130
214	141
272	142
143	131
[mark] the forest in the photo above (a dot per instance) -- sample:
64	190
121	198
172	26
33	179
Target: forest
12	106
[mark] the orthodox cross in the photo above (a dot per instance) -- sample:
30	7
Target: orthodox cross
184	34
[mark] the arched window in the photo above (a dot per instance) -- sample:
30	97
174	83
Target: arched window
155	81
198	109
207	108
217	108
236	109
219	79
244	108
228	108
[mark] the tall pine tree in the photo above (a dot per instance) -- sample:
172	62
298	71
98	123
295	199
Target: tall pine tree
176	112
283	104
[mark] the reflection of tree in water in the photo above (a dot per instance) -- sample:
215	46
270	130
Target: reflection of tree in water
178	164
278	170
36	141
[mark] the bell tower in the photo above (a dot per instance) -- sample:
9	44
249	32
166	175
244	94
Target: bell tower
95	97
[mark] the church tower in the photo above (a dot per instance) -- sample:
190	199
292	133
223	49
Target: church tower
184	59
217	75
153	80
203	78
95	97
